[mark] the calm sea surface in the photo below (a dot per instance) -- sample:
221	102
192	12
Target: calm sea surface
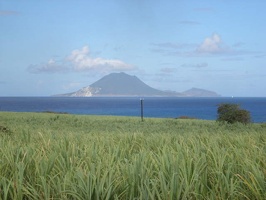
203	108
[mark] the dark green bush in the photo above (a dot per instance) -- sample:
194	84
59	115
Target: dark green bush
4	129
232	113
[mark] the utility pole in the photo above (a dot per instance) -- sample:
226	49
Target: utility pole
141	109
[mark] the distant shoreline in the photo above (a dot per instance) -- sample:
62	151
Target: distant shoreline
156	107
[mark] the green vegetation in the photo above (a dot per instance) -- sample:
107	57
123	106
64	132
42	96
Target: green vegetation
232	113
52	156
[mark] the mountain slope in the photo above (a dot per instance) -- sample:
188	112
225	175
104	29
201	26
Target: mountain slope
122	84
118	84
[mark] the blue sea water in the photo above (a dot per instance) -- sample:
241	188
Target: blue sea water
165	107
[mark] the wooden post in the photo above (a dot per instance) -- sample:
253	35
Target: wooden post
141	109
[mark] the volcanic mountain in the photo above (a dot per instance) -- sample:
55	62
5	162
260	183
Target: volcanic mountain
122	84
119	84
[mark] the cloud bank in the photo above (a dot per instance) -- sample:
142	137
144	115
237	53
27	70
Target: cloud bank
210	46
80	60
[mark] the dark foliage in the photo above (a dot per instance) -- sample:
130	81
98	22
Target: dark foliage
4	129
232	113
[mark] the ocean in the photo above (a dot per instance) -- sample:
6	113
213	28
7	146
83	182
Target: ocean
159	107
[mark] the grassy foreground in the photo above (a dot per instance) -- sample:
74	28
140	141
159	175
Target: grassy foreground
52	156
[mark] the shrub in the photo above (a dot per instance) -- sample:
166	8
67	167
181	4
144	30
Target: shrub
4	129
232	113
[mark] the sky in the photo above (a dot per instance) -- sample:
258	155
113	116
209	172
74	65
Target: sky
52	47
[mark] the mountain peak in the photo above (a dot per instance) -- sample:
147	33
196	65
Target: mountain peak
123	84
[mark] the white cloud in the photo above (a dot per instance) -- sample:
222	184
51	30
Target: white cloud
212	45
82	61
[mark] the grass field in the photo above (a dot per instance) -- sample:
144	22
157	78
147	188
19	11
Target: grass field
59	156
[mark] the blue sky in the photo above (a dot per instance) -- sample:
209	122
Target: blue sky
58	46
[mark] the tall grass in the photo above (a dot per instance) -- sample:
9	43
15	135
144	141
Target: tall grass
49	156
